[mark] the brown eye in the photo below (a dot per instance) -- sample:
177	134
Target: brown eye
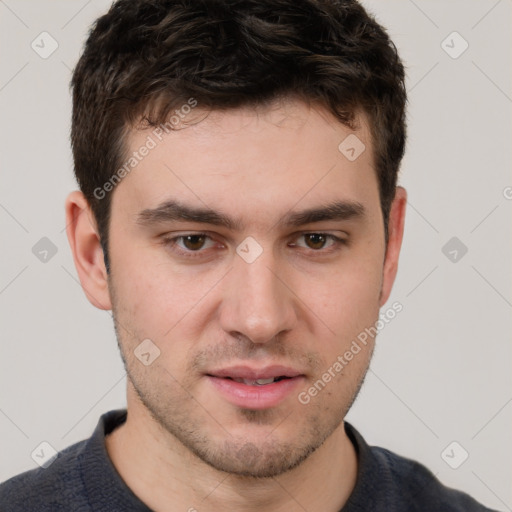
322	243
193	242
190	245
315	240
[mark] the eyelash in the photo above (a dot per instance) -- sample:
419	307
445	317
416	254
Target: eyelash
171	242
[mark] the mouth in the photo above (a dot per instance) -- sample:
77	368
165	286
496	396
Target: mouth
258	382
255	388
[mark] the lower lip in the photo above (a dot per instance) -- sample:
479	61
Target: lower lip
255	397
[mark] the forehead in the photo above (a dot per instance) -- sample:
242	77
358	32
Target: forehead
259	161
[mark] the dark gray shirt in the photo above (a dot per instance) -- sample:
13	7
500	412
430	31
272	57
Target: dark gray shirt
83	479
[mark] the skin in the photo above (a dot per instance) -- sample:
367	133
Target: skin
301	303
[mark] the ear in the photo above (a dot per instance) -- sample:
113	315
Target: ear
85	245
395	235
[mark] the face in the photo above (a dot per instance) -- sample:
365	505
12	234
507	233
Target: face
250	251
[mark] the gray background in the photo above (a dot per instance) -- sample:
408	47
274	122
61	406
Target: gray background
442	368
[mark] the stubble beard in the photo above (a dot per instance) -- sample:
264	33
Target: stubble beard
242	457
174	416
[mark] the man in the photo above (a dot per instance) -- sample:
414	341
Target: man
239	214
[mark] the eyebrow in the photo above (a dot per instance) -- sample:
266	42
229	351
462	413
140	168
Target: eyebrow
175	211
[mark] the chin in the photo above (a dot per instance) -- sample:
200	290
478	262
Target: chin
249	460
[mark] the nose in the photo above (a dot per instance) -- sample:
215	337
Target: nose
258	302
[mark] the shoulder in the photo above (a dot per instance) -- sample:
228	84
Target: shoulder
418	488
43	489
390	482
81	478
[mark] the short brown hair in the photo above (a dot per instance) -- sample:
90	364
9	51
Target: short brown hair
143	58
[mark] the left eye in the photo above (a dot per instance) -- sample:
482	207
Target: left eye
317	241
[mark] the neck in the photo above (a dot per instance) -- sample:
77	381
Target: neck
166	476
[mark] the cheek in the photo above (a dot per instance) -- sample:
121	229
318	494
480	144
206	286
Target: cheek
345	303
156	297
346	294
156	304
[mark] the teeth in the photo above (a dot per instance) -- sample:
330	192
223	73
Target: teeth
265	381
258	382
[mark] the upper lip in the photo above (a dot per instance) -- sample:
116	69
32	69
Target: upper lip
251	373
